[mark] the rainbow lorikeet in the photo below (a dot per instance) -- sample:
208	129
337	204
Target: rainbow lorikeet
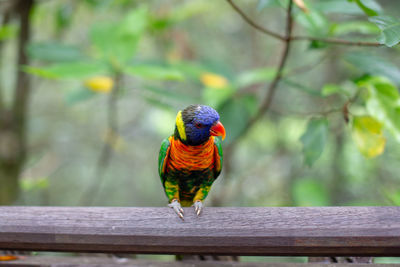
191	159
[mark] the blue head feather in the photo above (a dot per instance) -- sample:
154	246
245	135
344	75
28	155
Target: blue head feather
198	120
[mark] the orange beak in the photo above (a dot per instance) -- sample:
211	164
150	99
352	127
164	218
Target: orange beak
218	130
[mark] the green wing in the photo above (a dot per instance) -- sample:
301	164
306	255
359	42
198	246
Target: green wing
219	157
163	158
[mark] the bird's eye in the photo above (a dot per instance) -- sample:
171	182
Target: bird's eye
199	125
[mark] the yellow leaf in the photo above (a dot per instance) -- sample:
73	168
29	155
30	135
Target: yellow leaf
368	135
101	84
301	5
214	80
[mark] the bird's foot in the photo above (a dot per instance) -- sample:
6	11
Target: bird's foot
176	206
198	207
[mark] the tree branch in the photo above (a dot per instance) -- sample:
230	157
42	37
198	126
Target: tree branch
298	38
13	141
254	24
266	103
6	18
7	6
23	86
335	41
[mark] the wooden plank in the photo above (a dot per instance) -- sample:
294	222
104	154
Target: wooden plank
101	261
313	231
46	261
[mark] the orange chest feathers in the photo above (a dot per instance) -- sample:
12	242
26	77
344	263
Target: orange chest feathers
184	157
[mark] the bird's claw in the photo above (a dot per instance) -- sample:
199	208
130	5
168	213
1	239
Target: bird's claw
198	207
176	206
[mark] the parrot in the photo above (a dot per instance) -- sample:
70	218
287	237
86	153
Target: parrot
190	160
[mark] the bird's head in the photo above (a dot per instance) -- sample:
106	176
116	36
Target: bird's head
196	123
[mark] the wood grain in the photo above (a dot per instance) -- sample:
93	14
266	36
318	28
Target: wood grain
313	231
58	261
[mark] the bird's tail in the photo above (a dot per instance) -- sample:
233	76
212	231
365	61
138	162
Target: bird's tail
186	203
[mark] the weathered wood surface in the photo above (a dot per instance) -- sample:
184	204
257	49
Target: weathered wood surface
36	261
353	231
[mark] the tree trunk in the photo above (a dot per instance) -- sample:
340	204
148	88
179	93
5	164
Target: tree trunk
9	188
13	120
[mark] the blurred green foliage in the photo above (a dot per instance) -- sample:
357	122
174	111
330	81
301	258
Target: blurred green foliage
314	139
390	27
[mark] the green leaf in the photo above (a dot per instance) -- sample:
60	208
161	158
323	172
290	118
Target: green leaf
78	96
117	42
383	103
367	133
216	96
248	78
190	69
346	7
394	198
189	9
309	192
178	14
301	87
331	89
374	65
168	93
390	27
8	32
251	103
265	3
369	7
346	88
363	27
34	184
156	23
64	15
154	72
155	102
314	22
314	139
54	52
235	114
68	70
337	6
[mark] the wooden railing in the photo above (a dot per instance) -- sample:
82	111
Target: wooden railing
314	231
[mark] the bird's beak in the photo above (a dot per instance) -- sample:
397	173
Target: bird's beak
218	130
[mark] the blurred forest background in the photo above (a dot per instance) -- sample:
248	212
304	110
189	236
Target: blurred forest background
307	91
89	89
